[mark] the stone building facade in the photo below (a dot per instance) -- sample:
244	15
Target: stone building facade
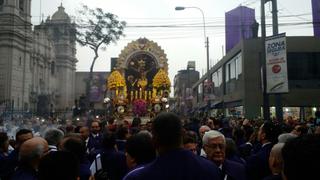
37	65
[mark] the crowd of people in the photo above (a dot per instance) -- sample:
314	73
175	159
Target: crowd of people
166	147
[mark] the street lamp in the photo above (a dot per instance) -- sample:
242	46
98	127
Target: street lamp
206	40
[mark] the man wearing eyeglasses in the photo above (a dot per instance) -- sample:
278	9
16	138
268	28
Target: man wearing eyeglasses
214	144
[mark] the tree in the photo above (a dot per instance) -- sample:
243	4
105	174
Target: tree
97	29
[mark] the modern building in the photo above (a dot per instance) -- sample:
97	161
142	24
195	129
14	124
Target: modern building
238	87
37	67
182	88
316	17
240	24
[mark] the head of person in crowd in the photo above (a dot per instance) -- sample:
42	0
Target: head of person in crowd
77	129
190	141
246	122
123	133
284	137
111	126
109	141
75	145
248	131
301	158
268	133
84	132
231	148
139	150
149	125
135	125
203	129
317	130
210	122
122	136
217	124
214	144
126	124
238	135
53	137
95	127
289	121
4	144
21	136
300	130
275	159
31	151
60	165
167	132
136	122
69	128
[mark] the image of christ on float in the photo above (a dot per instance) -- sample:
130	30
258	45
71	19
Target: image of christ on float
141	68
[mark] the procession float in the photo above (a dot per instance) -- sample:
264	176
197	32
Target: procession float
139	84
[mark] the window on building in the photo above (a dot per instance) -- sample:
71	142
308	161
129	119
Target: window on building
1	2
200	88
303	66
215	79
219	76
227	73
21	5
20	61
233	69
238	66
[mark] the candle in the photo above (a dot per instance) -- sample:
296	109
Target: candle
145	95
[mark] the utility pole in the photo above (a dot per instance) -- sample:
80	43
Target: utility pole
275	28
266	109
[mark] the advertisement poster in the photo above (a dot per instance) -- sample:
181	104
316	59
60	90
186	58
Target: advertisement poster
276	64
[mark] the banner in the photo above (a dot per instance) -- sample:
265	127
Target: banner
276	64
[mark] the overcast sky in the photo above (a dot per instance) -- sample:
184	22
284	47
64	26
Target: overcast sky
180	44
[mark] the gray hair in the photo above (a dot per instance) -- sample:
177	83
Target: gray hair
53	136
283	138
212	134
145	132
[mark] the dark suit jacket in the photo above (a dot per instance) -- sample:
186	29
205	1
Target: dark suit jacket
114	163
234	170
177	165
24	173
258	164
94	146
94	143
245	150
273	177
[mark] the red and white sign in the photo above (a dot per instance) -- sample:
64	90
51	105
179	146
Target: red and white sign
276	64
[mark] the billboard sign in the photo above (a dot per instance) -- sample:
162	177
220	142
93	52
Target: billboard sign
276	64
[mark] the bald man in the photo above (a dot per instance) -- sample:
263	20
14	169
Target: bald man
31	151
275	162
202	130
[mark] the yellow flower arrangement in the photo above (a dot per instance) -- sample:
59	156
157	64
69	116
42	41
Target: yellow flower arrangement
116	80
161	80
